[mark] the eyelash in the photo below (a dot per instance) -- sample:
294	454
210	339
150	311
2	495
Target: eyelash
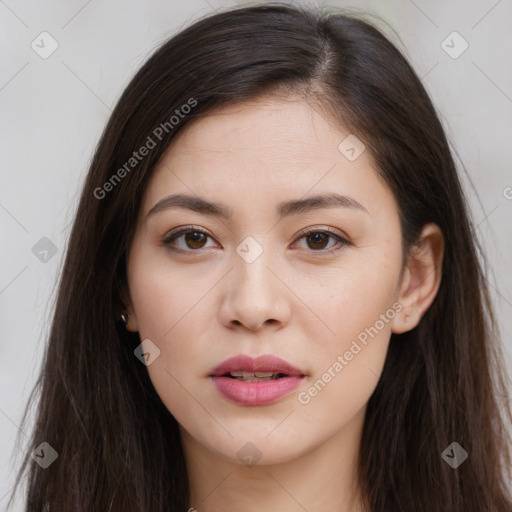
191	229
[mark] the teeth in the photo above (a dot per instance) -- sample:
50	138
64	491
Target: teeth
254	376
251	374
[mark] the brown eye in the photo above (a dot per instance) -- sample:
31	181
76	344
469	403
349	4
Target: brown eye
186	239
191	240
318	240
195	239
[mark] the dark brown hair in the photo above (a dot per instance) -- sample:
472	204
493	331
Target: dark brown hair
119	447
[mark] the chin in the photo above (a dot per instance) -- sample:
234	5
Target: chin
255	449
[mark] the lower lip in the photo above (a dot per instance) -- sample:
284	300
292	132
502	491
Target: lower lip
255	393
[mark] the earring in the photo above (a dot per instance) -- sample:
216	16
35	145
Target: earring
124	317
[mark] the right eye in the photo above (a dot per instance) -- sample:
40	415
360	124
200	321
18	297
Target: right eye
193	238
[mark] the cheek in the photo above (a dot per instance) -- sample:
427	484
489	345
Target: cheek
163	295
356	305
352	297
172	311
347	365
338	392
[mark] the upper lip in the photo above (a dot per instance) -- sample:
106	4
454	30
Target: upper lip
264	363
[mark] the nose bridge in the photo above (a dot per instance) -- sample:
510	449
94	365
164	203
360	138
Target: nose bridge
251	274
254	295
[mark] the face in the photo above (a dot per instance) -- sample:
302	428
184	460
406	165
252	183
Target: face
206	287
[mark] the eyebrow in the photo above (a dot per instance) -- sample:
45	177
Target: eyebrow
284	209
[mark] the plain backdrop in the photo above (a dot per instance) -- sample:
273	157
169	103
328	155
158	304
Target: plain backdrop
53	110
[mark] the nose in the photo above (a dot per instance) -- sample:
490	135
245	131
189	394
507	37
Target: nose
254	296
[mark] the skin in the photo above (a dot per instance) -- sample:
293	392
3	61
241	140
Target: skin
209	304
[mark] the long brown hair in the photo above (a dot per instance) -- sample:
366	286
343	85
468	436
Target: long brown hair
118	446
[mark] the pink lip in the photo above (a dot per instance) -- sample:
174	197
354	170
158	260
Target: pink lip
255	393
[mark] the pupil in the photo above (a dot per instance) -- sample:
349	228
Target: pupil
317	238
195	238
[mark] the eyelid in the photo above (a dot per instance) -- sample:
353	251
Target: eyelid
182	230
324	229
341	239
178	232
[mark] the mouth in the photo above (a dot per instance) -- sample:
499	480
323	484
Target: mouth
264	380
265	367
254	376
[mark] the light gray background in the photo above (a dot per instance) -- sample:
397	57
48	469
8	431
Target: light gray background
54	109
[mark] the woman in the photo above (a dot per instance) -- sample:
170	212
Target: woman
272	298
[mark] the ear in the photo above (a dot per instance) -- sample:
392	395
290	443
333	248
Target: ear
421	279
127	309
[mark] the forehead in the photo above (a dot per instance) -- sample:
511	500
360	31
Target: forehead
285	127
261	151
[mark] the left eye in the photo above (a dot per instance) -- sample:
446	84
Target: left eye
317	239
194	238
